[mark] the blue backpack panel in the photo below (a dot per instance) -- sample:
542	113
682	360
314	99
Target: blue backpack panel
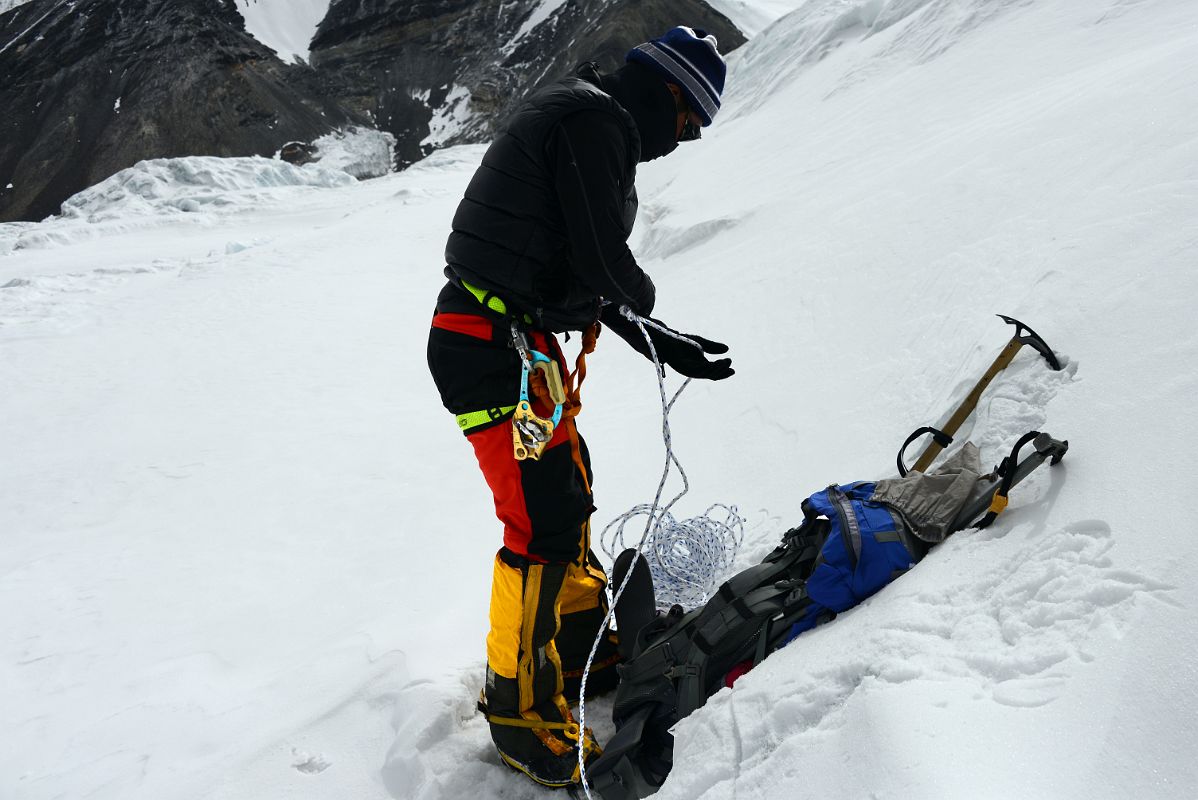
867	547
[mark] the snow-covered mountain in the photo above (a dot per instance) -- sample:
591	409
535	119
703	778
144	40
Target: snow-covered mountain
285	26
447	72
246	554
94	86
753	16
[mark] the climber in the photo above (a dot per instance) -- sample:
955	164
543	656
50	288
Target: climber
539	247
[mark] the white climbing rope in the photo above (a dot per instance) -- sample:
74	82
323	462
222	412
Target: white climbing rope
687	557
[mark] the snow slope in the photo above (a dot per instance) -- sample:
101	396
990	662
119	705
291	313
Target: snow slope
246	554
285	26
753	16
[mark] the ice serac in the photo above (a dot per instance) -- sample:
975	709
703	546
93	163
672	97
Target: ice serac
91	87
446	72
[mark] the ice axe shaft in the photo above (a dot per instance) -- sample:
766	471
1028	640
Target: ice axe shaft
1023	335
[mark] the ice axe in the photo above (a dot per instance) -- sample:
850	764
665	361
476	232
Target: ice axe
941	438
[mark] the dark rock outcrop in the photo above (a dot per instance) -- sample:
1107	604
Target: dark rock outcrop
408	65
90	87
298	153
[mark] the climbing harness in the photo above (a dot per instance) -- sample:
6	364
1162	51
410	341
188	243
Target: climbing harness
530	433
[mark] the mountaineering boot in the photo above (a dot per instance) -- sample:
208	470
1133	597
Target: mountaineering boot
530	721
548	755
583	610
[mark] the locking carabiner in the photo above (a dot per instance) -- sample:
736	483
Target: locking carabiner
530	433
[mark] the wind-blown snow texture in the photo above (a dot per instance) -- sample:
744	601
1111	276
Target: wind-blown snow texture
247	554
752	16
361	152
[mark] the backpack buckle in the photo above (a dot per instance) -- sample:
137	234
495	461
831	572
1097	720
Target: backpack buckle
683	671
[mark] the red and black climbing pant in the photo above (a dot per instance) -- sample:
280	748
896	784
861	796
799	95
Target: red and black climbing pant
544	505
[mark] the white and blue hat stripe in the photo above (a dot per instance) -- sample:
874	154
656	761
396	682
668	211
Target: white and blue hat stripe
690	59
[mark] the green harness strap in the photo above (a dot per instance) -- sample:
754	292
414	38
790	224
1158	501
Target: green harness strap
491	300
476	419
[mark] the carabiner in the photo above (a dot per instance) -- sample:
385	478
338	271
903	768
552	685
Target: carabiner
530	433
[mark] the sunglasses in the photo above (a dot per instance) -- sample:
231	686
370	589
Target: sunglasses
690	131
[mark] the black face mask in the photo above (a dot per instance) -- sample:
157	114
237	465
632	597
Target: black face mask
644	95
662	147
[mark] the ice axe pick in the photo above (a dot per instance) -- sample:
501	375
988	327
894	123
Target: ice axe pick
941	438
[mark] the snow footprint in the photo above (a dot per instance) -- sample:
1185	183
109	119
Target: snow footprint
1016	628
1015	621
309	763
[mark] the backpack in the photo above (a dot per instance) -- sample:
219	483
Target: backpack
848	547
867	546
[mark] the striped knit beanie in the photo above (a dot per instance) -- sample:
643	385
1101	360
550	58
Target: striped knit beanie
688	58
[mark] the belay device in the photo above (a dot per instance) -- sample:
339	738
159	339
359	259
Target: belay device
530	433
849	545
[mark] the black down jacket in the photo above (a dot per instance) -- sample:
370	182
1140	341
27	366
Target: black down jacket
545	220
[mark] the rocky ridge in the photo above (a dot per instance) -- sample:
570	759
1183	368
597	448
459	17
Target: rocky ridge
95	86
91	87
447	71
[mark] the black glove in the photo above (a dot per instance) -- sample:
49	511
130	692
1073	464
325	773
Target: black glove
685	358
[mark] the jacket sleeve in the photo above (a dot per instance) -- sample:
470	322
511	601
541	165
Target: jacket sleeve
591	160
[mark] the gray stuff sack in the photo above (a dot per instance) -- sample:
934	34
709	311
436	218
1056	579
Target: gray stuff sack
930	502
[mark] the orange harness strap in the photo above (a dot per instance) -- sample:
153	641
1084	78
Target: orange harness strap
573	380
573	405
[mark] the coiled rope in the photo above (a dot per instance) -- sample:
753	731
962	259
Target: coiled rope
686	557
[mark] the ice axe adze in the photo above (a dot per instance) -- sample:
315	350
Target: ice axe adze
942	437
